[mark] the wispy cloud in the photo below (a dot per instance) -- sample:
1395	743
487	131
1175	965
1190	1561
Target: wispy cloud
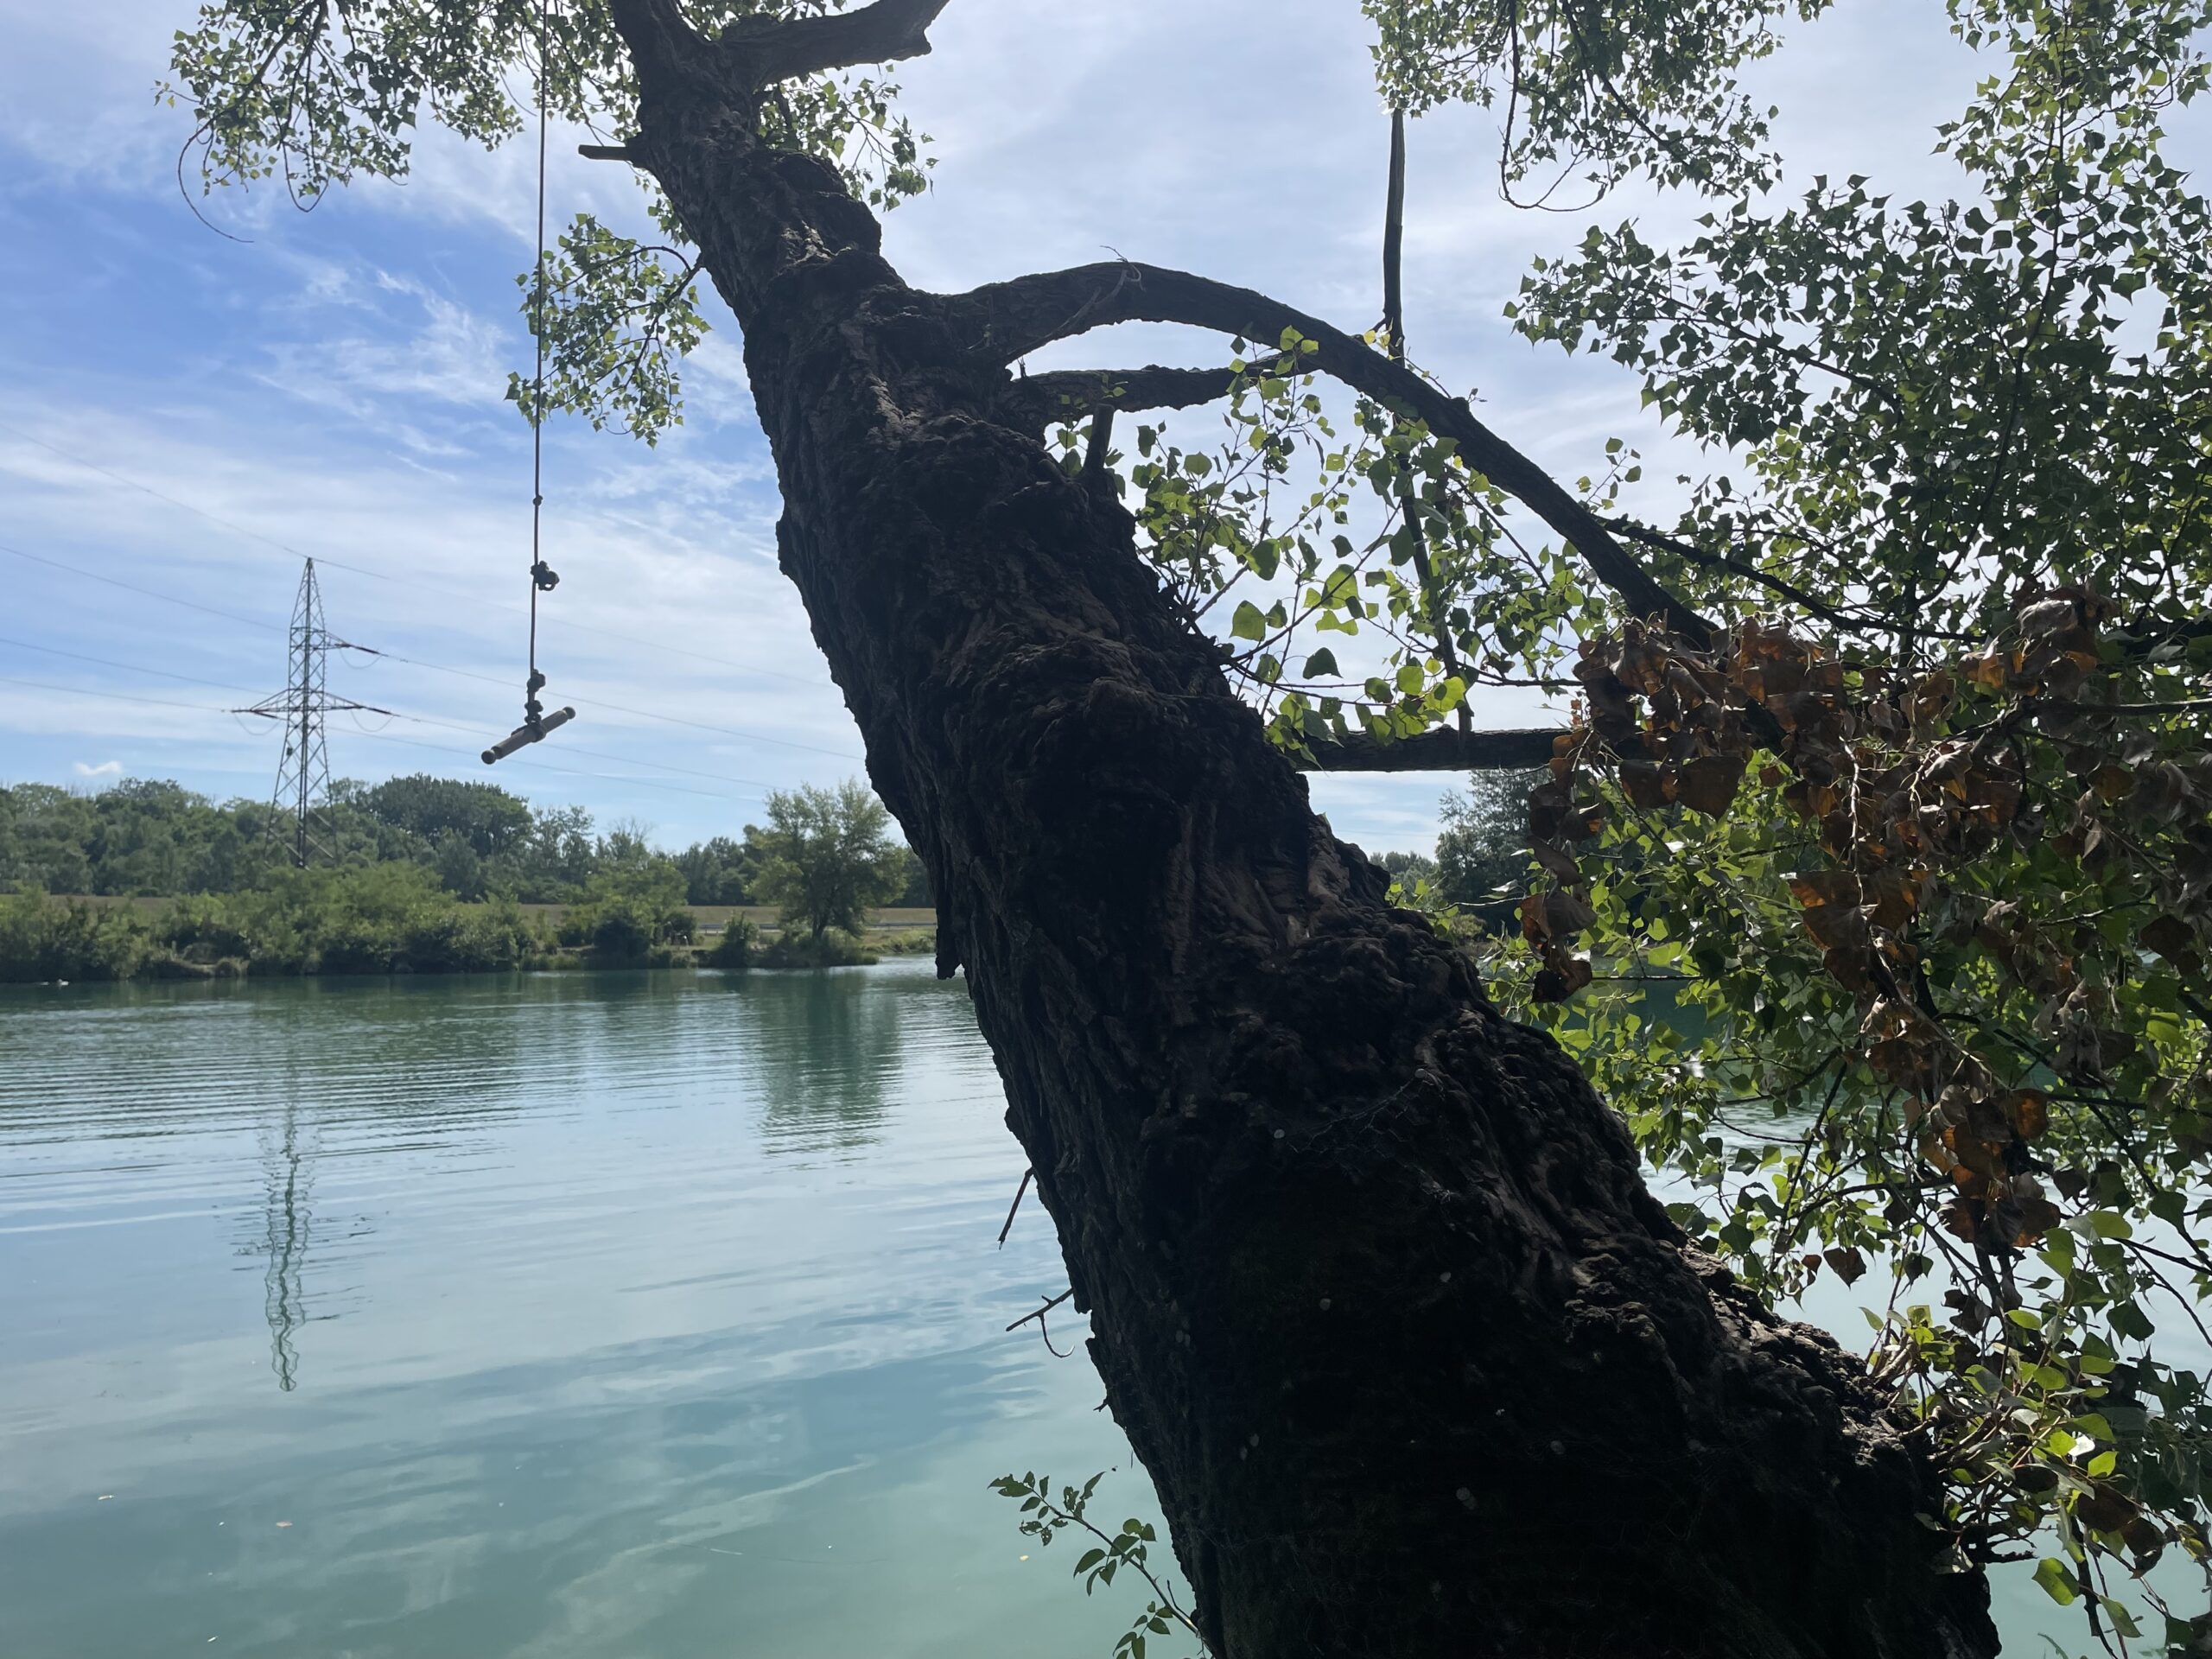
105	769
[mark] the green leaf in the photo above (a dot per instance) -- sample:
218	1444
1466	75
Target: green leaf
2056	1581
1249	621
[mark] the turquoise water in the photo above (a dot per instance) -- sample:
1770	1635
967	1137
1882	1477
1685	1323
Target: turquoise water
571	1317
644	1315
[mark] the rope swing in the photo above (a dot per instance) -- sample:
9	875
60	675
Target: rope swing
536	723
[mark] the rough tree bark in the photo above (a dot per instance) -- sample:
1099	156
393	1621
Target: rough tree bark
1417	1365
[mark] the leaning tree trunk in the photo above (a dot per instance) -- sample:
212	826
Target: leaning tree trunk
1417	1365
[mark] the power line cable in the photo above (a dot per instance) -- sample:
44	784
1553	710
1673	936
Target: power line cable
443	668
382	737
212	519
621	708
420	720
133	587
112	696
595	754
570	772
128	668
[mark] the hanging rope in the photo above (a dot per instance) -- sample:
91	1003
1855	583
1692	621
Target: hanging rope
543	580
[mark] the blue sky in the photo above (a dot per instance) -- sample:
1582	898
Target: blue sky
191	415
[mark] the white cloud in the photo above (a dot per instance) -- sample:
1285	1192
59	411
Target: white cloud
105	769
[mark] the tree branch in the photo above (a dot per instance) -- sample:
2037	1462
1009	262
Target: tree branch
1393	334
1005	322
1696	554
1018	1191
1043	1311
764	51
1072	393
1442	749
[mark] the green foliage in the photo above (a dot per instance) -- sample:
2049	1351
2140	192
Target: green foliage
833	948
1927	998
1937	402
380	919
1482	851
903	942
828	856
1926	993
1125	1549
736	947
629	911
315	95
1302	539
720	871
616	317
136	837
1605	91
43	939
487	819
150	838
383	920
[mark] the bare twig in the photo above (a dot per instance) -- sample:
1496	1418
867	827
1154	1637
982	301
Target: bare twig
1011	1208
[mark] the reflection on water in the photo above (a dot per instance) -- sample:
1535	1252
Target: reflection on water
287	1251
827	1051
553	1316
634	1317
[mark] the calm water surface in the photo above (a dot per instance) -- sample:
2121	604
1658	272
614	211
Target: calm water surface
571	1317
629	1315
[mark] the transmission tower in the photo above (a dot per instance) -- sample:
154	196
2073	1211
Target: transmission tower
303	772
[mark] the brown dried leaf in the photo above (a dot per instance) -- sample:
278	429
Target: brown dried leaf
1557	983
2038	1217
1566	915
1815	888
2171	937
1989	670
1556	861
2105	1509
1892	895
1838	927
1708	784
1642	783
2145	1539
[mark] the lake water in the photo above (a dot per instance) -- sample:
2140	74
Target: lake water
591	1316
565	1317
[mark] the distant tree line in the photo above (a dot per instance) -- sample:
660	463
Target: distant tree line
151	838
1480	868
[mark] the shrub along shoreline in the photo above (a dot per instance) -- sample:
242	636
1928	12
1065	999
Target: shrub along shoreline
388	919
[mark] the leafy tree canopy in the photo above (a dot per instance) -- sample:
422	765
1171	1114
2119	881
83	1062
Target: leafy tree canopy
829	856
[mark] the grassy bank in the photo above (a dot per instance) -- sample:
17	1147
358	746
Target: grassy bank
397	919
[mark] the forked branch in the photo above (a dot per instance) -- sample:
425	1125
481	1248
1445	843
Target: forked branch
1005	322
